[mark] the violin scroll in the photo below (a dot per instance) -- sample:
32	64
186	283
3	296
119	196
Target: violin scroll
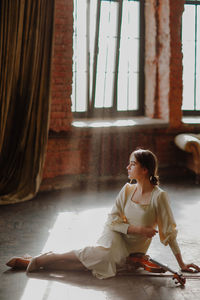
180	279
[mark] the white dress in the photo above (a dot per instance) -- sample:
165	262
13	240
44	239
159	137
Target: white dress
115	244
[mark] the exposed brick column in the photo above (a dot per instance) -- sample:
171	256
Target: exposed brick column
176	84
58	160
61	115
150	57
163	58
163	61
157	56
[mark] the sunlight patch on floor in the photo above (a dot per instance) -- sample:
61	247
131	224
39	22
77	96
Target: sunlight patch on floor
65	291
52	290
72	230
76	230
35	289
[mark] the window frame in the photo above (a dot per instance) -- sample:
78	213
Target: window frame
93	112
184	111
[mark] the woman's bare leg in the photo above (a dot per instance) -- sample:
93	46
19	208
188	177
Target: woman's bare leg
65	261
66	266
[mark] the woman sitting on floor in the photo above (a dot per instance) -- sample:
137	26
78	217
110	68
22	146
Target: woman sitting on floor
139	210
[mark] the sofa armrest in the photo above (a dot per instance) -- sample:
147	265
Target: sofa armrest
187	142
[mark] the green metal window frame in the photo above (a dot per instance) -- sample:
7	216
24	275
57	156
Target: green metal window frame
112	111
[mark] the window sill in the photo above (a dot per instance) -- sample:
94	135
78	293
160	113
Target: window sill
136	122
195	120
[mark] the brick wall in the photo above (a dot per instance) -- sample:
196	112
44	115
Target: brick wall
163	60
61	89
103	153
99	154
176	84
157	57
150	57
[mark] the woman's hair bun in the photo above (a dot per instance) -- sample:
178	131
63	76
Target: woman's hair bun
154	179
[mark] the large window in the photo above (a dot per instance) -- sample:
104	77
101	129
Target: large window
191	57
108	68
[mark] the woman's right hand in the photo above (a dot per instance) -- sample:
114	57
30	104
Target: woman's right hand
145	231
148	231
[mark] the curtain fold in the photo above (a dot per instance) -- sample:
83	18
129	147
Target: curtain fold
26	37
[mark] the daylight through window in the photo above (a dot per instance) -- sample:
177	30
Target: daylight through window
108	60
191	57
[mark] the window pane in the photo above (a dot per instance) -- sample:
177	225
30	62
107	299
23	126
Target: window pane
105	61
79	90
198	61
188	41
106	54
129	57
93	20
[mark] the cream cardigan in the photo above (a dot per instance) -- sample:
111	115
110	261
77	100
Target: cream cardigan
158	213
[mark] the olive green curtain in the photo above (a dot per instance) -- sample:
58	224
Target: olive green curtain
26	35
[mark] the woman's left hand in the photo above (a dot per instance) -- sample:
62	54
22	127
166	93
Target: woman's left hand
192	268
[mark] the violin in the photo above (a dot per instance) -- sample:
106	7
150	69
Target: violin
140	260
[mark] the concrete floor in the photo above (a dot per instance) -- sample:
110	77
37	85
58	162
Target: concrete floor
67	219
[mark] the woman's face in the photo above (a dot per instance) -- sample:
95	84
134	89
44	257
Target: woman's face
135	170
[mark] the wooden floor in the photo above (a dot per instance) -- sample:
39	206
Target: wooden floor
64	220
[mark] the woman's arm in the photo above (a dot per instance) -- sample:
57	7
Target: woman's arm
116	220
186	267
168	232
146	231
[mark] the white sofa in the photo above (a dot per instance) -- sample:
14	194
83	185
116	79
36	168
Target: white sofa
190	142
